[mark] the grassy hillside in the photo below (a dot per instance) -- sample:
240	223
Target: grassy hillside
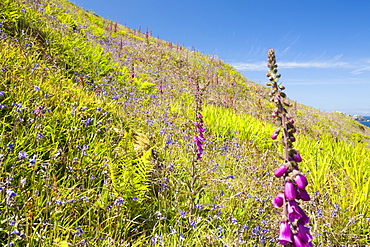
96	143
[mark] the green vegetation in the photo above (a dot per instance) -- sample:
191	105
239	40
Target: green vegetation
96	143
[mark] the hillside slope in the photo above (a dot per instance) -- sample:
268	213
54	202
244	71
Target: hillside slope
96	146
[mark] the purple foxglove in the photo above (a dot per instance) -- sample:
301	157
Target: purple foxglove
301	181
304	219
293	213
201	137
199	115
290	191
285	234
304	233
297	157
278	201
274	136
298	242
303	195
280	171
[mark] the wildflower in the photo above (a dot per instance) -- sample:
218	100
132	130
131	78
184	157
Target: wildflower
295	182
32	160
182	213
172	231
11	193
15	232
301	181
181	237
303	195
119	202
10	146
304	233
285	234
88	121
280	171
2	94
274	136
293	213
289	191
39	136
278	201
22	155
79	231
39	111
193	223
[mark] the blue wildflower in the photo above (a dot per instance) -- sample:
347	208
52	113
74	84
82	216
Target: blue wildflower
22	155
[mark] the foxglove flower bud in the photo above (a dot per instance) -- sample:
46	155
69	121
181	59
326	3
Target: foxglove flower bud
280	171
303	195
274	136
278	201
290	191
297	157
301	181
285	234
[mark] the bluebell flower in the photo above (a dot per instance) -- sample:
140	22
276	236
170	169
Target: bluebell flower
182	213
182	237
11	193
22	155
15	232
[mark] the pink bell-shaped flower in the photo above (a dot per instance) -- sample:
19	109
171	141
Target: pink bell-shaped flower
298	242
290	191
303	195
285	234
304	233
293	213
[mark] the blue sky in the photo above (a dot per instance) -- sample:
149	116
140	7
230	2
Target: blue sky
322	47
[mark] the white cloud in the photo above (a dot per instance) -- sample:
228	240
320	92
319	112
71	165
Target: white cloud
260	66
360	71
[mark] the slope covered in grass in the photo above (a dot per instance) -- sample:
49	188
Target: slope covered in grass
96	143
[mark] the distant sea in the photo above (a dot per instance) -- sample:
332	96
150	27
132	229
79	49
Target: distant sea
368	122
